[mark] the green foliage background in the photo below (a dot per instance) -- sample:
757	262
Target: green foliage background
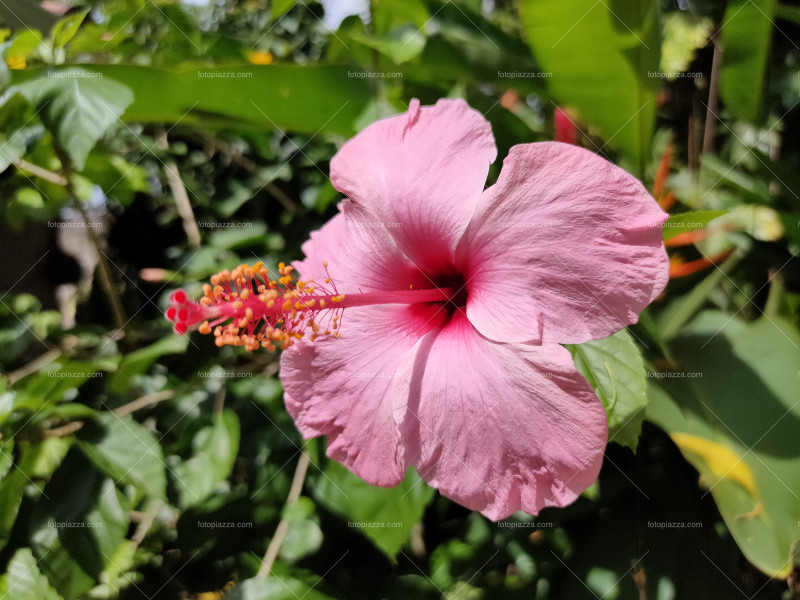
145	145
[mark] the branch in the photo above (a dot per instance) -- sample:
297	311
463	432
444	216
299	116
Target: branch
283	527
24	165
143	402
181	196
33	366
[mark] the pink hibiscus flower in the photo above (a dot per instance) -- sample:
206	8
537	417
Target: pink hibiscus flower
444	353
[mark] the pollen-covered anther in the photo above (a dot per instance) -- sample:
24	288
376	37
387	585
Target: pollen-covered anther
245	307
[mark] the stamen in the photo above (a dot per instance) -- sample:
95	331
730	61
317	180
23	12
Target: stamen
245	307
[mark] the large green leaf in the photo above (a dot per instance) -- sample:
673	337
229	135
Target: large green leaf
77	106
79	526
24	580
215	450
732	408
126	451
604	59
384	515
615	369
746	30
251	97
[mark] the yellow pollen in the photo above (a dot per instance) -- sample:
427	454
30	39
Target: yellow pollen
338	298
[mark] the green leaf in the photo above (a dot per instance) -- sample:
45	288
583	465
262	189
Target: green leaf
238	237
77	106
280	8
12	148
303	537
601	56
254	97
689	221
683	308
66	28
276	587
614	367
399	46
24	580
745	36
215	450
732	409
138	361
78	525
384	515
126	451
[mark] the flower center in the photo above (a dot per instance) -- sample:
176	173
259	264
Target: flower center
245	307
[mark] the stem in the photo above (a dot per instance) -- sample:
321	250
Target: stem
144	401
106	280
283	527
24	165
33	366
182	201
64	430
713	98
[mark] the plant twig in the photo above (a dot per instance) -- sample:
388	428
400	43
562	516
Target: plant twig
143	402
33	366
713	98
24	165
146	522
64	430
181	196
283	527
106	280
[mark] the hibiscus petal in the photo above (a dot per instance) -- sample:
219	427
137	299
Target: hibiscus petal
565	247
340	387
498	427
420	175
359	257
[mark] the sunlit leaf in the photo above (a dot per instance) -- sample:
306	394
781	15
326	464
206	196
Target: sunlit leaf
78	107
615	369
731	407
384	515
